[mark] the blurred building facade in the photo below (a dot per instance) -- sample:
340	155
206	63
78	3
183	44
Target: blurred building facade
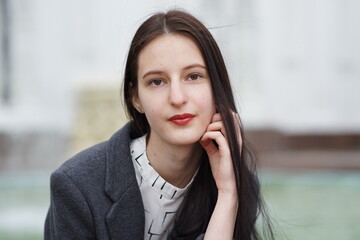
295	66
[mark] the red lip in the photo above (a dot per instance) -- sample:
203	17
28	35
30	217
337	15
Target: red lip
182	119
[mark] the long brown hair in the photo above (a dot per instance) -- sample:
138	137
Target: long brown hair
196	210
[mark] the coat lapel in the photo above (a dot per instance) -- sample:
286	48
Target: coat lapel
125	219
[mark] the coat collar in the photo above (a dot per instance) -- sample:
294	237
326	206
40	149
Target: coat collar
125	219
119	164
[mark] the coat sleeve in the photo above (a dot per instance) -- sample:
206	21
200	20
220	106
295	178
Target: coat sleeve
69	216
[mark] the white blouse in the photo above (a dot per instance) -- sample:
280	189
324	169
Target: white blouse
161	199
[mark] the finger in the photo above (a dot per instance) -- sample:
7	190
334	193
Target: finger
237	122
209	146
216	117
220	140
217	126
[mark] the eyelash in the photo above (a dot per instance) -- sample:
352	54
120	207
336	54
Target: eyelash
152	82
194	74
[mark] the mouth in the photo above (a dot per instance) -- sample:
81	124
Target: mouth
182	119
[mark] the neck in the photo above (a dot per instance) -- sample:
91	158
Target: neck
176	164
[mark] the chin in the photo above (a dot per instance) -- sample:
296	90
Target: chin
186	140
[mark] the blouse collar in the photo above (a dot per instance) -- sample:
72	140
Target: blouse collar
149	174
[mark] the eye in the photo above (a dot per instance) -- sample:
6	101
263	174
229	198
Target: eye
156	82
194	76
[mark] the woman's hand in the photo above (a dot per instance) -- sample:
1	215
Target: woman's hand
220	156
223	218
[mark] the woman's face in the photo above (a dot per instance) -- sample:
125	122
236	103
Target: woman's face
174	90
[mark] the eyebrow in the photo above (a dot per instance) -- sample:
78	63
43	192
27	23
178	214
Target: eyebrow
195	65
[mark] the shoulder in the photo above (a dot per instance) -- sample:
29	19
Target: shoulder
90	164
88	158
83	170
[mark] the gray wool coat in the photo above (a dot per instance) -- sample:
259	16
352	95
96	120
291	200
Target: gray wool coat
95	195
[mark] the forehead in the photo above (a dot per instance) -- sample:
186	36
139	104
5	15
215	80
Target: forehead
168	50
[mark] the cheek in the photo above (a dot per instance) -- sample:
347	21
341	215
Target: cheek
208	106
209	102
152	114
151	105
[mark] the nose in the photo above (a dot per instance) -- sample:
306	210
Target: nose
177	95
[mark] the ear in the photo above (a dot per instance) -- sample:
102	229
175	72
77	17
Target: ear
135	101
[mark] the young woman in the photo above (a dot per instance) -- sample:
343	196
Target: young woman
180	168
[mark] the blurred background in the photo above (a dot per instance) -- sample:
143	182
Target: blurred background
294	65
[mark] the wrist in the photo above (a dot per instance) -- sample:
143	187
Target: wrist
230	192
229	198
